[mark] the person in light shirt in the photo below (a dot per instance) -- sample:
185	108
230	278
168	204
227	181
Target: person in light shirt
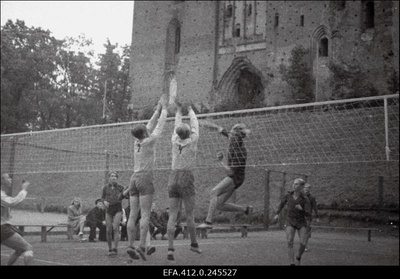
141	189
10	235
181	180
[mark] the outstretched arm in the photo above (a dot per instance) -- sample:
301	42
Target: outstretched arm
8	201
194	123
214	127
162	119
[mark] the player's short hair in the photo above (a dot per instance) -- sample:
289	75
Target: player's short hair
301	180
241	129
113	172
183	131
139	131
97	201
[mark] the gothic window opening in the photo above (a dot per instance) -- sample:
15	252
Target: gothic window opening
229	11
368	10
177	40
323	47
249	10
276	20
237	30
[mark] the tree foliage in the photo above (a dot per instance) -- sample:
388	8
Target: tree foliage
298	74
48	83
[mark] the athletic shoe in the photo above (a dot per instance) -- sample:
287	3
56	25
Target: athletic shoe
170	257
111	253
164	238
298	260
249	210
151	250
205	225
141	251
132	253
83	239
115	250
92	240
196	249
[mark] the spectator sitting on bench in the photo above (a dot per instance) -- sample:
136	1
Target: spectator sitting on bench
96	218
161	224
76	219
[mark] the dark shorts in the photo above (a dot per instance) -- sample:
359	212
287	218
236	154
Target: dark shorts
296	224
181	184
114	209
8	231
238	176
141	184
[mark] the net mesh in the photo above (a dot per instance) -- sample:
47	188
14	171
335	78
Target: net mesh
330	132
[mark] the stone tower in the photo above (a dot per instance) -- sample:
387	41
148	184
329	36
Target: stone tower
231	51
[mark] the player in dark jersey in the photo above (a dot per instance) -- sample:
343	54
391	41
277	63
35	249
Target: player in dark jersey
235	169
298	217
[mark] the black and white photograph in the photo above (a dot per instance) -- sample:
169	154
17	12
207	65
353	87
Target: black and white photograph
200	138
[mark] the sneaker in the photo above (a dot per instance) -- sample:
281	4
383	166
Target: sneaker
249	210
151	250
196	249
132	253
110	253
164	238
115	250
141	251
92	240
83	239
170	255
205	225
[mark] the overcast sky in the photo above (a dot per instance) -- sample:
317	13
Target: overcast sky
97	20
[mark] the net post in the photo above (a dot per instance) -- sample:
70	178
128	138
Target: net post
282	194
107	167
380	192
387	149
266	199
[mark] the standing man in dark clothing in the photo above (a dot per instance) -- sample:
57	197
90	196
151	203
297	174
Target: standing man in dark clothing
313	205
112	197
96	218
298	217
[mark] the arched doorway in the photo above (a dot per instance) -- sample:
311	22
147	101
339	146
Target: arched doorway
241	87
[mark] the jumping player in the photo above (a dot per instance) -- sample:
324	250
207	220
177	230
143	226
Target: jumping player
141	184
10	236
235	169
298	217
181	180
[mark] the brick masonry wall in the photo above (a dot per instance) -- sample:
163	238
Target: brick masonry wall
374	51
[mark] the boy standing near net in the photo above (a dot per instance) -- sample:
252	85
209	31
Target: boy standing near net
10	236
181	180
298	217
141	184
235	169
111	198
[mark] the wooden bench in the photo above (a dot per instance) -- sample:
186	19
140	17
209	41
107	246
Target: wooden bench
369	230
202	232
45	229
